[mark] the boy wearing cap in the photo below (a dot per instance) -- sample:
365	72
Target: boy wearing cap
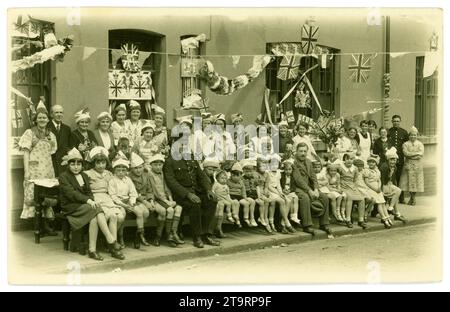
251	181
163	198
123	192
239	193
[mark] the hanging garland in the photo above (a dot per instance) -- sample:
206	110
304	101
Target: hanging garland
55	52
221	85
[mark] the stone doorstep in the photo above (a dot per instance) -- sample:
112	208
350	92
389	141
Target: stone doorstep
232	244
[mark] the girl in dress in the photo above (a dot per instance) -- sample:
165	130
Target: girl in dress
124	194
118	127
372	178
80	208
222	191
146	146
412	175
275	193
98	181
291	197
224	146
134	125
348	173
82	138
334	185
261	174
38	144
361	185
250	179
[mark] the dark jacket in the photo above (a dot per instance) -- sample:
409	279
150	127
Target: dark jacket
70	191
303	176
63	140
379	150
99	140
386	177
185	176
396	137
76	138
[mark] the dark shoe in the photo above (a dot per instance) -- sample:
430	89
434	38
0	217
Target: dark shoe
349	224
269	229
284	230
94	255
309	230
121	243
363	225
220	234
156	241
400	218
82	249
177	239
209	241
386	223
198	242
117	254
327	230
291	230
374	213
180	235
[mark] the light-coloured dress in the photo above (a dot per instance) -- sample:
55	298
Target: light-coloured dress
334	184
273	179
412	179
40	166
365	144
99	187
134	130
348	182
322	180
147	149
222	191
372	178
343	145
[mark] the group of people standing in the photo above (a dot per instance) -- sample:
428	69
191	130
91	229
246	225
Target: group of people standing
134	166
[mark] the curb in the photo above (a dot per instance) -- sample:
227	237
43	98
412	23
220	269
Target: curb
264	242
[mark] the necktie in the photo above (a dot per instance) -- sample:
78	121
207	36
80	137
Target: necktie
58	126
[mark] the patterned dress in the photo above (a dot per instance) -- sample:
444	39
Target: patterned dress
147	149
348	179
411	179
40	166
372	178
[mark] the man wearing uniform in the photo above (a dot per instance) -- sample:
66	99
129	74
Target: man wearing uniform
191	189
396	137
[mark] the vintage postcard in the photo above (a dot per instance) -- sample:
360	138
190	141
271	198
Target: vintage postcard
165	146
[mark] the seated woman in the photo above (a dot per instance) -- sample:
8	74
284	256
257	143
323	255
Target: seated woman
80	208
103	133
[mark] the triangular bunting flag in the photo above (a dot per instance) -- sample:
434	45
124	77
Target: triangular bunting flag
87	52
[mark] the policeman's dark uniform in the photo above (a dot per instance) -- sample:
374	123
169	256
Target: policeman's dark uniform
184	177
396	138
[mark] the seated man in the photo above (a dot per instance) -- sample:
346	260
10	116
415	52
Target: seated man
307	190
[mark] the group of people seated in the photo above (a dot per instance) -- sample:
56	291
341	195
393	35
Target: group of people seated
205	169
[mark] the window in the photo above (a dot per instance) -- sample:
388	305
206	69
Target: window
323	80
190	83
140	85
426	94
34	82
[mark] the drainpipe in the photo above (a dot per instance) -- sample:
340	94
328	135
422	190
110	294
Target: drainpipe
387	72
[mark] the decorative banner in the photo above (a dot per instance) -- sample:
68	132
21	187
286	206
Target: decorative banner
309	35
143	56
26	27
235	59
281	49
430	64
302	98
222	85
290	116
53	53
189	67
130	86
288	68
360	68
192	42
130	57
307	120
397	54
87	52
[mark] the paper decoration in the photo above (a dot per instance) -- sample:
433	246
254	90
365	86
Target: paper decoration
130	86
266	112
288	68
53	53
397	54
360	68
26	27
235	59
290	116
222	85
387	84
189	67
302	98
307	120
87	52
192	42
280	49
50	40
434	42
143	56
130	57
309	35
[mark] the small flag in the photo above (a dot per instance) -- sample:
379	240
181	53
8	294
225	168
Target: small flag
360	68
309	38
288	68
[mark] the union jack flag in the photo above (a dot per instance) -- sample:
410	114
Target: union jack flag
288	68
309	38
130	57
360	68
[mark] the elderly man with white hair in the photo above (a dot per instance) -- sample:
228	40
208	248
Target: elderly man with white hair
62	134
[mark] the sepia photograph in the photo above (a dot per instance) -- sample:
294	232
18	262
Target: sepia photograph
224	146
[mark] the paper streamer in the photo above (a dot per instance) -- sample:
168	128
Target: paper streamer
20	94
192	42
431	63
235	59
313	94
142	57
295	85
88	51
115	55
266	103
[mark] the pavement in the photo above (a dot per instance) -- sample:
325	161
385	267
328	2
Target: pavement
48	257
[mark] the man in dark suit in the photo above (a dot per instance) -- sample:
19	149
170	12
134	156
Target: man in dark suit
62	133
191	189
307	189
396	137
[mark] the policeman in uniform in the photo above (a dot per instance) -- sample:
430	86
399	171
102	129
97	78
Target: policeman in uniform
396	137
191	187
